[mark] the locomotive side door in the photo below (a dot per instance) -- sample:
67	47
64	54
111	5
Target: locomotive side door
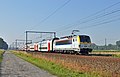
74	43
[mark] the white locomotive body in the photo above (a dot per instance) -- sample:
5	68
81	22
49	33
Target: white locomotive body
73	44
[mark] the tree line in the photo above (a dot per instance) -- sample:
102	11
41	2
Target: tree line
107	47
3	44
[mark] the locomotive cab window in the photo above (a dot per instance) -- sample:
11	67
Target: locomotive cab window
85	39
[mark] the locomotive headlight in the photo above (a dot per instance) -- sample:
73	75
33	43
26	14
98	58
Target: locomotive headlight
84	45
81	45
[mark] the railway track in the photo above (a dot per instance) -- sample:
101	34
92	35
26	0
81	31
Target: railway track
107	54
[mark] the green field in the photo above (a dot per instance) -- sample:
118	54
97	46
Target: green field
106	51
55	69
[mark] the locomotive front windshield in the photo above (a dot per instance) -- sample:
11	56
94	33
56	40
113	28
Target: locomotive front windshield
85	39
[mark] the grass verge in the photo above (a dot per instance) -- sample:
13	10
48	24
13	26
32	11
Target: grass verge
1	52
55	69
116	55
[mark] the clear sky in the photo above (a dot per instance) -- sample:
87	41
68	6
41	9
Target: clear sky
88	16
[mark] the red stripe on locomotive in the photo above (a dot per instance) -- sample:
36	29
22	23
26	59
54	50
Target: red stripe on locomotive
48	46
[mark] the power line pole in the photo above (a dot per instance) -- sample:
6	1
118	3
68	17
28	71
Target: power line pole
16	44
105	44
26	41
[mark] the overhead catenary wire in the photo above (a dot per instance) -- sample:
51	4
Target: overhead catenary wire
51	14
93	15
100	24
77	21
83	22
41	37
47	17
104	15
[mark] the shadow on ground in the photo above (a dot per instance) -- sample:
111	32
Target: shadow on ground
100	54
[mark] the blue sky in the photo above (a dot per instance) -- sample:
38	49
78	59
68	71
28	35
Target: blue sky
17	16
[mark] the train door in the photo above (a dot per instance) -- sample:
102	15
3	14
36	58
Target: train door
36	47
39	48
74	43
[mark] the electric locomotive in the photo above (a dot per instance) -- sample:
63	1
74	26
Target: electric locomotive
73	44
